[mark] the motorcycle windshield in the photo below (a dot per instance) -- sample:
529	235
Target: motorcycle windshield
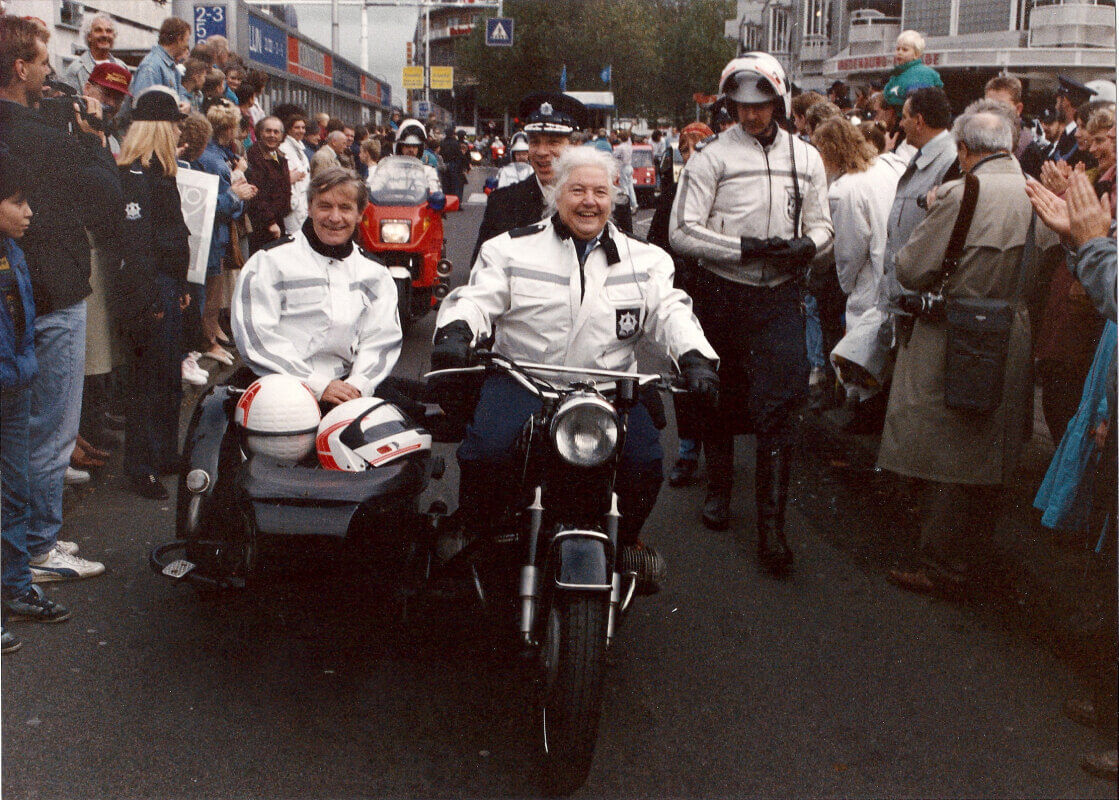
398	181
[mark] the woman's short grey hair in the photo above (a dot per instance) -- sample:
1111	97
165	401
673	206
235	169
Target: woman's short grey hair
330	177
984	131
583	156
914	40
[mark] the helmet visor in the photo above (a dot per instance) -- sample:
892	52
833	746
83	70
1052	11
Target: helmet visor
750	87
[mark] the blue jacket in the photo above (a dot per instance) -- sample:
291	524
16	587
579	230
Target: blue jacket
230	206
17	355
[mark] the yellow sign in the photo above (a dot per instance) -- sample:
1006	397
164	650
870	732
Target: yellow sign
442	77
413	77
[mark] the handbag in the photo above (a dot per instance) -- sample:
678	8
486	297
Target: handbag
977	328
238	253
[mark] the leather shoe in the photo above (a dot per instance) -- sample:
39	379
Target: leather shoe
716	511
921	582
1104	764
80	459
149	486
93	450
1081	710
683	472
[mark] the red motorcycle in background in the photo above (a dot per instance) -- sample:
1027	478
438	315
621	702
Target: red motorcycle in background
401	228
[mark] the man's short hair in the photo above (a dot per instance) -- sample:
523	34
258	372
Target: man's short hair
334	124
995	107
984	131
203	52
932	104
172	30
17	43
259	127
804	101
87	27
195	66
330	177
214	79
1005	83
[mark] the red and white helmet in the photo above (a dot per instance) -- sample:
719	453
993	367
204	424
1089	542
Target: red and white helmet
367	432
755	78
280	415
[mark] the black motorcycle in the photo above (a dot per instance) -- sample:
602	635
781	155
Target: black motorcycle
554	554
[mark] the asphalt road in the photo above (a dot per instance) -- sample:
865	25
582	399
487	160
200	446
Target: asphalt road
726	684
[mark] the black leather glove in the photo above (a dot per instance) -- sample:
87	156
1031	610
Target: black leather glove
452	346
701	377
796	253
753	248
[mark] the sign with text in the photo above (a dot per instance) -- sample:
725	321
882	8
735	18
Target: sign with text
309	62
861	63
347	78
413	77
442	77
268	44
499	32
209	21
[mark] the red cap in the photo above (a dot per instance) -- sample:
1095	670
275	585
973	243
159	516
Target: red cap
111	76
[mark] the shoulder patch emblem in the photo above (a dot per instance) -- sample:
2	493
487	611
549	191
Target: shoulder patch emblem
626	320
277	242
527	230
132	211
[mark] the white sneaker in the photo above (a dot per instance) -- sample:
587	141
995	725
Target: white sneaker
69	548
75	477
55	565
194	374
816	376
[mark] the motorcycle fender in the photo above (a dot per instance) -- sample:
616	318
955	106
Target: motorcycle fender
582	560
400	273
207	430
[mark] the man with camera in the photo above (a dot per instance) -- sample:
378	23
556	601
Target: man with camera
958	406
76	188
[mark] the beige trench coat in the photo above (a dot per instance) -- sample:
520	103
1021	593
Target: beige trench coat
922	438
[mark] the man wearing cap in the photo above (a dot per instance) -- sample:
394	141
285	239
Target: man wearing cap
1071	94
1042	148
550	119
752	206
108	83
100	36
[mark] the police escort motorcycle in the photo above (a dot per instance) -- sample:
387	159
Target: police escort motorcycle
550	563
261	462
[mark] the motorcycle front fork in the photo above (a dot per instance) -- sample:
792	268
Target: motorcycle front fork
529	592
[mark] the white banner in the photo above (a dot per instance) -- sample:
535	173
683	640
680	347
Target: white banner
198	192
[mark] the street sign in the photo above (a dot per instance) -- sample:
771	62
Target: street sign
208	21
423	108
499	32
442	77
413	77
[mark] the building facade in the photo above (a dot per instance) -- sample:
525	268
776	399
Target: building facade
967	41
448	26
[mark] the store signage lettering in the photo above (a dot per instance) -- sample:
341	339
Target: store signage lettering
267	44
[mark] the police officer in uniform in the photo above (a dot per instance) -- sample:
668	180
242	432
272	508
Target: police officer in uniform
569	291
752	206
550	119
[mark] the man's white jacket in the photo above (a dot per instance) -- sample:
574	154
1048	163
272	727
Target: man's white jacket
734	187
299	312
528	284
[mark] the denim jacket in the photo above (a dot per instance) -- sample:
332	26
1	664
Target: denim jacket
17	356
213	160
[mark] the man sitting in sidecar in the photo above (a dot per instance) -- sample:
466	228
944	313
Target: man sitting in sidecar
569	291
315	306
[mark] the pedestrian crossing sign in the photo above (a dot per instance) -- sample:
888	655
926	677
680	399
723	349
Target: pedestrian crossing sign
499	32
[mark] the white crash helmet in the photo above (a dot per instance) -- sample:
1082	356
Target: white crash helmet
755	78
1104	90
280	415
367	432
519	142
410	132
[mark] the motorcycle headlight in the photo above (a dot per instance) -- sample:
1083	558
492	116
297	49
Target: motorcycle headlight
396	231
585	430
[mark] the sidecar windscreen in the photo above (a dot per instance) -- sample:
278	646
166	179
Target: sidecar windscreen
398	181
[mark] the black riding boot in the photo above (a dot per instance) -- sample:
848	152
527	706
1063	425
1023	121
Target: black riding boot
771	490
720	478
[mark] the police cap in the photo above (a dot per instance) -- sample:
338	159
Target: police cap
552	113
1074	90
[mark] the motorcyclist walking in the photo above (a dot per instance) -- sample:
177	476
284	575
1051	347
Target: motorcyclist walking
752	206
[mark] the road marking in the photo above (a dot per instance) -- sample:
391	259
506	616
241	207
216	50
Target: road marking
476	198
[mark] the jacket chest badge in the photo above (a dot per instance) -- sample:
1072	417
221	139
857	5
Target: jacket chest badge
132	211
625	321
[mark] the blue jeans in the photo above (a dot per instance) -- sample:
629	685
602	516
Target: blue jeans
813	333
56	412
15	418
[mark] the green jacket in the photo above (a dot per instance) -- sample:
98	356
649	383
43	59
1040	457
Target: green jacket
905	77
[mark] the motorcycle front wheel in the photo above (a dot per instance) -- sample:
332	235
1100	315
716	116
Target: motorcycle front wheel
573	660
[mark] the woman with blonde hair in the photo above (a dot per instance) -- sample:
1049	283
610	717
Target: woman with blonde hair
152	292
861	188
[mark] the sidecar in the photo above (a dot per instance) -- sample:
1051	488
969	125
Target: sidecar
402	230
228	498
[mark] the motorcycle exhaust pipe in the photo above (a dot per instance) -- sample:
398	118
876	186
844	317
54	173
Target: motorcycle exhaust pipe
443	268
530	586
